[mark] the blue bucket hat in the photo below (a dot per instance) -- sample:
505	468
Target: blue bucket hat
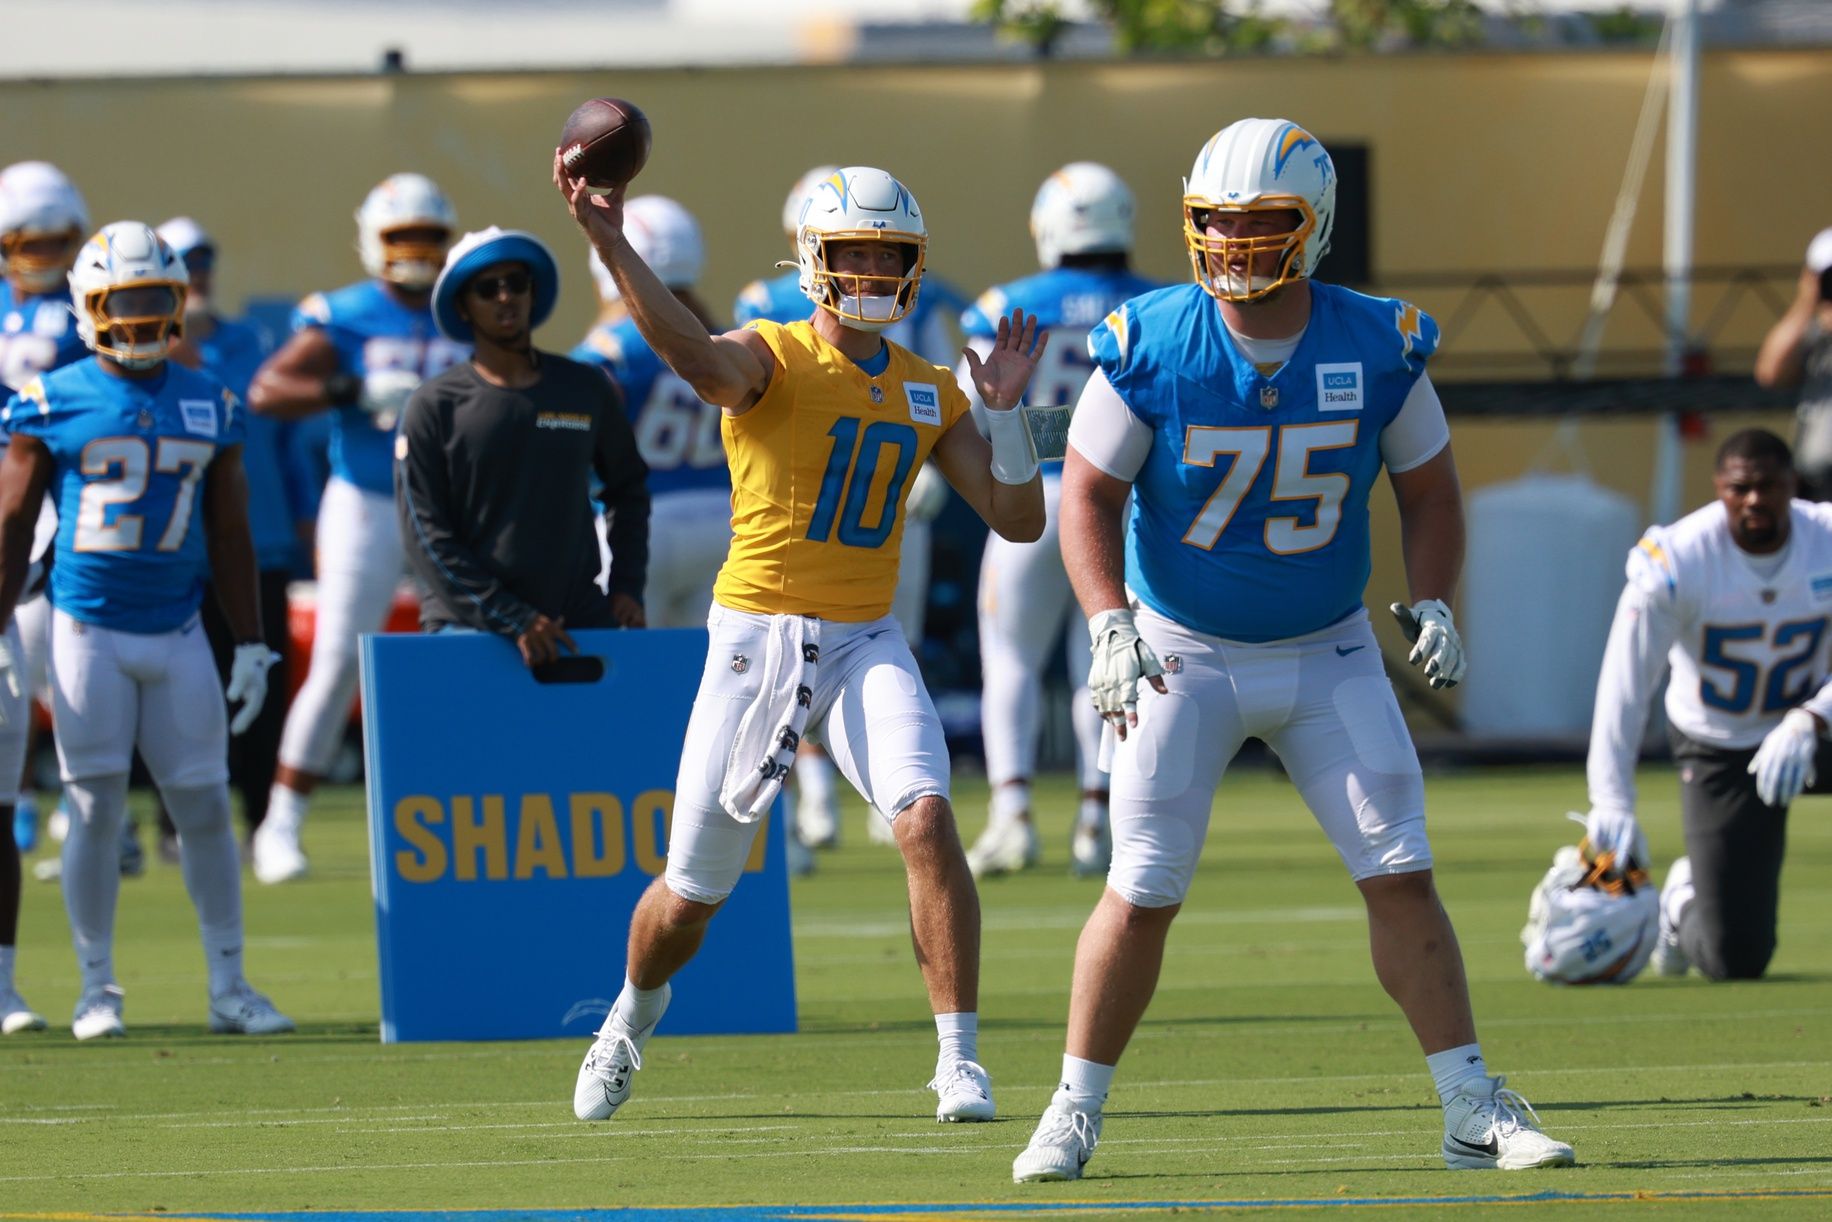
476	251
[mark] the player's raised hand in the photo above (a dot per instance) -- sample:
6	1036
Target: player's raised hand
601	216
1002	376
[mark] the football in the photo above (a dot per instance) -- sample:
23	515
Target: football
605	142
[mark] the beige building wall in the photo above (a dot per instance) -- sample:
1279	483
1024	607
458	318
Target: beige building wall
1480	163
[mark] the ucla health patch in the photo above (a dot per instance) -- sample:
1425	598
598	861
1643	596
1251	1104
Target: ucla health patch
199	416
925	402
1339	387
1822	588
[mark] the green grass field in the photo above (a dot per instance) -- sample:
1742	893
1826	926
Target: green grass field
1271	1067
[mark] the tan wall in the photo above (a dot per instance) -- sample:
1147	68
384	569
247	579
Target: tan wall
1481	162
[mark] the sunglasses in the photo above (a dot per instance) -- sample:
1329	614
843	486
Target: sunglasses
489	288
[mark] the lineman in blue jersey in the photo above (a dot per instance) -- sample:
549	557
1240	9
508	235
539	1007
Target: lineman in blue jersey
1249	415
279	500
1082	222
924	331
358	352
144	459
42	223
690	487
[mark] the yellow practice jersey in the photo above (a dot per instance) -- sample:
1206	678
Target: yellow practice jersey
821	467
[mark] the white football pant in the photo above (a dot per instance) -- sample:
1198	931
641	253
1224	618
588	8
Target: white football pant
359	566
870	709
1321	701
15	719
689	535
1026	606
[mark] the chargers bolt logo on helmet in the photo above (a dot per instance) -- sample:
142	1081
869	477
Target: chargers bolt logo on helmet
1258	166
128	291
860	204
403	229
1083	208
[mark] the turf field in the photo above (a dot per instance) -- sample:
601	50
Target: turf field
1272	1072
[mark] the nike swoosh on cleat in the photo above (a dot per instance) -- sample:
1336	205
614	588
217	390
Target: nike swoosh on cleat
1343	653
1492	1148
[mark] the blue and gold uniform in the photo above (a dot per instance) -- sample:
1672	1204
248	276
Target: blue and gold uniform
1250	514
37	334
129	457
820	469
677	434
372	331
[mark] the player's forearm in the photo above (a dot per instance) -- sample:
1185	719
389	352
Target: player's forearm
234	571
15	559
1016	511
289	396
1781	360
1093	544
1633	662
1432	539
677	336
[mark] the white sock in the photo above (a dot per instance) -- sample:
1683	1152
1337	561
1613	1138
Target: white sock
1456	1070
814	779
6	968
638	1008
959	1034
1093	815
287	804
213	875
92	872
1086	1083
1010	801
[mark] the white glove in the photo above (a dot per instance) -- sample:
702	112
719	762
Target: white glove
1784	762
385	395
248	682
1434	640
1121	659
928	495
9	675
1615	832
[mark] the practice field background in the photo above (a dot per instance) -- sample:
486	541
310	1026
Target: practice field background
1271	1068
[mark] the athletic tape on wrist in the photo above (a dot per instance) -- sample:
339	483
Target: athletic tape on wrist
1014	460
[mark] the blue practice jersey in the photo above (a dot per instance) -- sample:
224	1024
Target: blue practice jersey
37	335
677	435
276	496
128	467
1068	302
373	331
1250	514
925	332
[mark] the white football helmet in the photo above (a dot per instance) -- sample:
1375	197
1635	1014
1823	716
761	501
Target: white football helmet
860	204
798	195
1081	209
400	202
1258	165
1584	927
667	238
37	201
128	290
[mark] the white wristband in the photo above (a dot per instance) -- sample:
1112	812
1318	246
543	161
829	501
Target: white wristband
1014	461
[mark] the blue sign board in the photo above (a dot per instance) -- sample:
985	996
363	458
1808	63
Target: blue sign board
514	823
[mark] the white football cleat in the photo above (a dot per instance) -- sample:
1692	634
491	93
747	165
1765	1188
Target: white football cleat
964	1089
1004	848
1061	1146
98	1013
275	848
1090	852
1669	959
242	1011
1498	1132
16	1016
603	1085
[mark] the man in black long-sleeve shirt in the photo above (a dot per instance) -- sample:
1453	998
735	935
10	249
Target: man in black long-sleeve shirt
495	461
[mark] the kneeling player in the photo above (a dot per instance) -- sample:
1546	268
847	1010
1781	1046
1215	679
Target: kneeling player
144	459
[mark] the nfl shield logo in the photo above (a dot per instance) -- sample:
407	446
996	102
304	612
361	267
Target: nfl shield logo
877	394
1269	397
145	419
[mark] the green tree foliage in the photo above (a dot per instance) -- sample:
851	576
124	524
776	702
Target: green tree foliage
1237	26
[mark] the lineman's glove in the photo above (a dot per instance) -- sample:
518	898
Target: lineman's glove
1121	659
248	682
1434	641
1617	833
385	395
1784	762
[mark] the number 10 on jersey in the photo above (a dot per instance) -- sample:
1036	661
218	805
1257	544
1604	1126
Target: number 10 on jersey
852	468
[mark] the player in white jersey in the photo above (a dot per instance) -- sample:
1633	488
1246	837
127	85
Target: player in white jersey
358	352
1081	220
1734	601
144	458
1248	416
